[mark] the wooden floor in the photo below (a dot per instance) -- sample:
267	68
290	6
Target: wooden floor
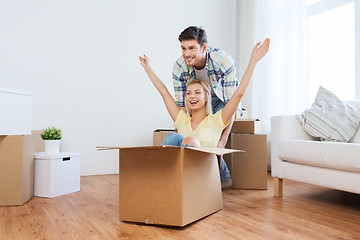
305	212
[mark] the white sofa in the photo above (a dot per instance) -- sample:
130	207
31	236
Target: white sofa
295	155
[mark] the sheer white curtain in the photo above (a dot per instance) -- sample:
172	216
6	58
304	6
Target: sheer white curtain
279	84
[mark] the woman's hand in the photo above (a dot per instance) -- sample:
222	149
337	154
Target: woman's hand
145	62
260	52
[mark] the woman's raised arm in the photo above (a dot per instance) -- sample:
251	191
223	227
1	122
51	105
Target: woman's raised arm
231	106
169	101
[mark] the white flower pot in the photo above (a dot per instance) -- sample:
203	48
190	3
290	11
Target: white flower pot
52	146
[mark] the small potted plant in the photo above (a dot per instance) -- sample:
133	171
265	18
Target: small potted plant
52	138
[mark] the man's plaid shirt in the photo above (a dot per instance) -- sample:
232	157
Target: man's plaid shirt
222	73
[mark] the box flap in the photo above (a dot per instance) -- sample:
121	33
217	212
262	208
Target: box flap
217	151
138	147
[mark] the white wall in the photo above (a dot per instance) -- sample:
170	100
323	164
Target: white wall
80	58
245	38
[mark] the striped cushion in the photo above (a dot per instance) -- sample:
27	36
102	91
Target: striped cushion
329	118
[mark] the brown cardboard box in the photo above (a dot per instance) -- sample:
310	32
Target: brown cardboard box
16	169
249	126
249	169
159	135
168	185
246	126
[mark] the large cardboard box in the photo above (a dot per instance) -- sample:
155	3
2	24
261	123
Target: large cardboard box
166	185
249	169
16	112
16	169
159	135
56	174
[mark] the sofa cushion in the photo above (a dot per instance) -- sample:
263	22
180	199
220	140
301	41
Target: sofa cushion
329	118
334	155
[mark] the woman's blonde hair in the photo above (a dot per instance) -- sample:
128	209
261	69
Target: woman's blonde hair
207	90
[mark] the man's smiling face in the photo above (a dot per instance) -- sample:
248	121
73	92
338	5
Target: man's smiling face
193	53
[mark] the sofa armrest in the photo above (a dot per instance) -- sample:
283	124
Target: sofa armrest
288	127
284	127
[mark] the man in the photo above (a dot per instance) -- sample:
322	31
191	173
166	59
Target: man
200	61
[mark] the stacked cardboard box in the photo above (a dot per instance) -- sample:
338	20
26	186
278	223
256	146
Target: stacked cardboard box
248	170
17	169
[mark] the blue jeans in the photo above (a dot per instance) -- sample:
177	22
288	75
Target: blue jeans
175	139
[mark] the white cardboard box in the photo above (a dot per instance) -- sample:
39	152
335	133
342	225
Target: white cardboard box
56	174
15	112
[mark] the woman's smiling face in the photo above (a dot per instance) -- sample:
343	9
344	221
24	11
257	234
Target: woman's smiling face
195	96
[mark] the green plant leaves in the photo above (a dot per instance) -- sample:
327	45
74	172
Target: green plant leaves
51	133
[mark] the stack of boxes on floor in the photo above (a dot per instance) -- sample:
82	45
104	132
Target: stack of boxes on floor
16	147
56	174
249	169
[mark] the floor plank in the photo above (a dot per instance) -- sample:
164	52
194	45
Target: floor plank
304	212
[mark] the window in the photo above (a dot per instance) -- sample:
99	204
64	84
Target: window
332	48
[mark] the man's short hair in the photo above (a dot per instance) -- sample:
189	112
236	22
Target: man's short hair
194	33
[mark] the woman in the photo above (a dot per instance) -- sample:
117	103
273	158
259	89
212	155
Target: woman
200	127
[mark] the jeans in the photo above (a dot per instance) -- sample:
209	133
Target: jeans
175	139
216	104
